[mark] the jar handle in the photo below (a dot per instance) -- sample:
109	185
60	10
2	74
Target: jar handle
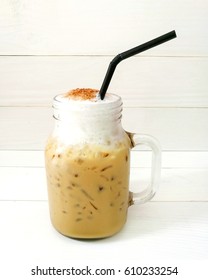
151	189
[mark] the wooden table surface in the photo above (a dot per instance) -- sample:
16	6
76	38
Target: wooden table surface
49	47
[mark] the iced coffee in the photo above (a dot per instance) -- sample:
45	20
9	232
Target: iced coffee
87	164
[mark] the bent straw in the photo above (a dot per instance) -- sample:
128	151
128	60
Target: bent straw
148	45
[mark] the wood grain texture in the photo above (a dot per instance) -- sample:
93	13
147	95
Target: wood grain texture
140	81
101	27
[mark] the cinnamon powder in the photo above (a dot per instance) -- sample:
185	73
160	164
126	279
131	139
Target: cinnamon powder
82	93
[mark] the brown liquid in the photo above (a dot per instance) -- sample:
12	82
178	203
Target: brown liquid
88	188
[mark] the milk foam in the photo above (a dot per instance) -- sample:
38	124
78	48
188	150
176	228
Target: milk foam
71	101
89	121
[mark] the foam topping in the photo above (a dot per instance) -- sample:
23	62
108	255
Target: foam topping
86	98
93	119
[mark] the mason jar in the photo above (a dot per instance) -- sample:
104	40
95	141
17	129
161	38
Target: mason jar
87	160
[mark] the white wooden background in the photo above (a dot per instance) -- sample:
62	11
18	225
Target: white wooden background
48	47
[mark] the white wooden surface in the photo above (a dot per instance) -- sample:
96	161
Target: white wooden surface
141	81
54	27
48	47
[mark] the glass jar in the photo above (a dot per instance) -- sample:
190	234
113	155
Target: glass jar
88	163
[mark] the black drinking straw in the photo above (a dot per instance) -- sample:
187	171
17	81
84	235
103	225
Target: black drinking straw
148	45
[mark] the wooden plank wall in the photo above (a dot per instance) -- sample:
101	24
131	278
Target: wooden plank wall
48	47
